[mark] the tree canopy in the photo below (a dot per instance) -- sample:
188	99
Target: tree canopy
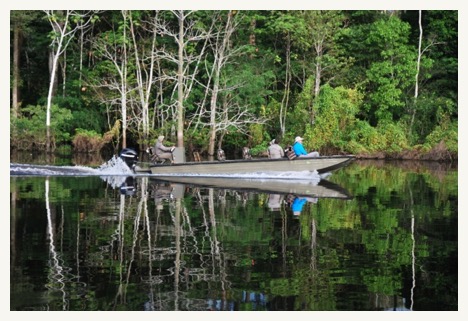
365	82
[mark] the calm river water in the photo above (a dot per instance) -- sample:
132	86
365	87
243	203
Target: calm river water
83	239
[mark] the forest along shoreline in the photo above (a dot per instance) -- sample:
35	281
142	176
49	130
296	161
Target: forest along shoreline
379	84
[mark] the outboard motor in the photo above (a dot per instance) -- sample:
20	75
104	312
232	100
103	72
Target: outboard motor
130	157
128	187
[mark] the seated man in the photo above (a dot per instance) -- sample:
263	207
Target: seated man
299	202
163	152
274	201
300	150
275	150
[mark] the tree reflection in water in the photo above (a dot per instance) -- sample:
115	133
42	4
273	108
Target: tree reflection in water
135	243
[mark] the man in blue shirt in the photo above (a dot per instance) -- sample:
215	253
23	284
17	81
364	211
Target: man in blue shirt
300	150
299	203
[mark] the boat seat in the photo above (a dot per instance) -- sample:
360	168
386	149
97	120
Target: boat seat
246	153
155	158
290	153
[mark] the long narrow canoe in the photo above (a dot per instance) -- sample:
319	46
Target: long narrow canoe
281	166
318	188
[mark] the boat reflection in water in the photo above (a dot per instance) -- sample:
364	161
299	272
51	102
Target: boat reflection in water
315	188
294	193
318	188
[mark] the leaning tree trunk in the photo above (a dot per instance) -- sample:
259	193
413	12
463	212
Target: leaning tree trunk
52	88
62	31
60	28
418	66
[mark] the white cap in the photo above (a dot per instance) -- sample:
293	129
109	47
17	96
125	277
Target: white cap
298	138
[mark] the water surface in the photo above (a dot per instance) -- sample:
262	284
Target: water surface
101	239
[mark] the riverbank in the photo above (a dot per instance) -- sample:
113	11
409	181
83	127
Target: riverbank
438	153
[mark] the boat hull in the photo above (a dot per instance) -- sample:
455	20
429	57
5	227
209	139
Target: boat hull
280	166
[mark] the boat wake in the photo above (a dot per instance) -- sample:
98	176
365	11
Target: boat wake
117	174
114	166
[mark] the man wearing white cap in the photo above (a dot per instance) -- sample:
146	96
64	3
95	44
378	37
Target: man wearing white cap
300	150
299	202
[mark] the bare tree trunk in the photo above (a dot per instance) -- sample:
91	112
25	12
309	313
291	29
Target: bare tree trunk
218	65
16	74
180	79
232	115
53	63
64	73
81	57
318	75
64	33
318	71
187	31
418	66
144	76
252	39
287	84
213	102
321	25
54	55
123	85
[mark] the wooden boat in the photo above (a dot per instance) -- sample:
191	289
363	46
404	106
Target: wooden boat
318	188
300	166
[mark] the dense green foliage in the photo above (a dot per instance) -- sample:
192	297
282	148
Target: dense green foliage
348	81
28	132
